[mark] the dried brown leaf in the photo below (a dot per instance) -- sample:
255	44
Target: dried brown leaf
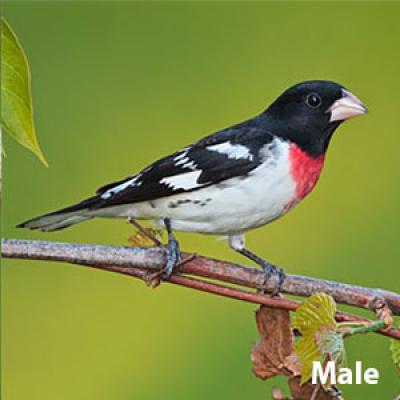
277	394
274	354
292	364
306	391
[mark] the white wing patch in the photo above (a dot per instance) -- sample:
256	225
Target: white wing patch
181	154
235	151
190	165
119	188
181	160
185	181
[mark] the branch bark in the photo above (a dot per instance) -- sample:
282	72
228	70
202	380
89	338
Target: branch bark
139	262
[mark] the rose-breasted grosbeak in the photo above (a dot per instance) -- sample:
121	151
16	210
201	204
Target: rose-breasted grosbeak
232	181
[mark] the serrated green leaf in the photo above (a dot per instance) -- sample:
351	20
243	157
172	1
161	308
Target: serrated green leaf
332	344
395	347
16	99
307	352
314	313
315	319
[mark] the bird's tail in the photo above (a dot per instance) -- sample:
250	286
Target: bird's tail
62	218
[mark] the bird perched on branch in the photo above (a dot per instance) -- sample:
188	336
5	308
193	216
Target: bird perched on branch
232	181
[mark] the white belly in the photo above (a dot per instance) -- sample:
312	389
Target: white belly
233	206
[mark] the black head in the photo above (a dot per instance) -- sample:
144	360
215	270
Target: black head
309	112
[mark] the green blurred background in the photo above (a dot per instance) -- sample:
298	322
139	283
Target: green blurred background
117	85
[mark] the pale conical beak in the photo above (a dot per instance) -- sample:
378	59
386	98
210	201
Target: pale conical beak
348	106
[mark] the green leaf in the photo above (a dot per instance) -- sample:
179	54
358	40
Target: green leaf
16	105
307	352
140	239
315	312
315	319
332	344
395	348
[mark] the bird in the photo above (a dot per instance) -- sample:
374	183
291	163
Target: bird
232	181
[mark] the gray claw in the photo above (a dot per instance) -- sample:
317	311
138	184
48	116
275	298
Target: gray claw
173	258
276	272
280	277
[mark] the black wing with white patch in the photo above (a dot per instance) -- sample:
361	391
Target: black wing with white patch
233	152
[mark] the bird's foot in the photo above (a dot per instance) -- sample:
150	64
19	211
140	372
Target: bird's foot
174	259
272	271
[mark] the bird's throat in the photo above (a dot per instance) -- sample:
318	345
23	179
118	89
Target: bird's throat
305	170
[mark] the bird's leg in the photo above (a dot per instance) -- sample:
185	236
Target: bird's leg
270	270
237	243
174	252
174	259
145	231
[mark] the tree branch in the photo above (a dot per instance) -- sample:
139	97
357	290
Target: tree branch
140	262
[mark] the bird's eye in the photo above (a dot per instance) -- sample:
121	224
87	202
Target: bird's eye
313	100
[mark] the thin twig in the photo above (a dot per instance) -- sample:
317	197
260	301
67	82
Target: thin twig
315	391
138	262
145	231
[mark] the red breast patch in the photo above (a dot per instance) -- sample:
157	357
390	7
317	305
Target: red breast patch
305	170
